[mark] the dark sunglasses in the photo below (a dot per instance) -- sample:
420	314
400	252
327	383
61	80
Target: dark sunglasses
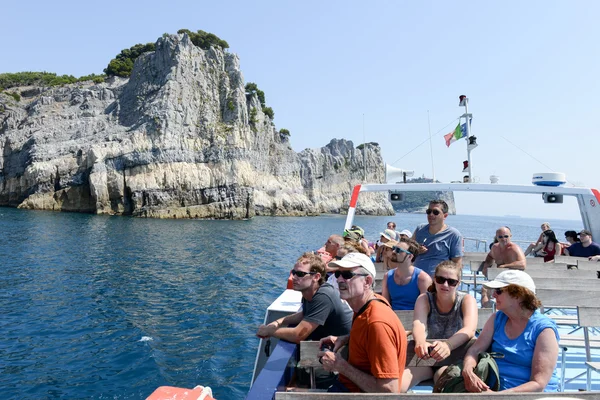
301	274
503	236
347	275
399	250
451	282
338	258
435	212
498	291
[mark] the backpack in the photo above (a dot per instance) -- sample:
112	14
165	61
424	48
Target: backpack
451	380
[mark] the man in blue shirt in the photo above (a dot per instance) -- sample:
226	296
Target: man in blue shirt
439	242
585	248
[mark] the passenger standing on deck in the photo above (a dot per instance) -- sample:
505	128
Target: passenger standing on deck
439	242
585	248
403	283
377	342
441	313
322	313
505	254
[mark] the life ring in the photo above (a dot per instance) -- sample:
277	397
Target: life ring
175	393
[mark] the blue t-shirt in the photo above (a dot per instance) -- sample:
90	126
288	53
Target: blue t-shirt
442	246
577	250
403	297
515	367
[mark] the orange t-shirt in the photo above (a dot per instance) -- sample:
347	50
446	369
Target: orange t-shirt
377	344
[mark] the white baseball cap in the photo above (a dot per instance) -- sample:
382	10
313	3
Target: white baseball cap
406	232
353	260
511	276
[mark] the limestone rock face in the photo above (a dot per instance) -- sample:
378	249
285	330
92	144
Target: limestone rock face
179	139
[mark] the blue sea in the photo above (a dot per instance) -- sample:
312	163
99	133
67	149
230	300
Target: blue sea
99	307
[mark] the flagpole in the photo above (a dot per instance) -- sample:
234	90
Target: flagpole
465	101
430	147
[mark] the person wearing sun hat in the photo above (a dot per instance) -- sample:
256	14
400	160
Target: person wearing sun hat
377	341
527	339
384	237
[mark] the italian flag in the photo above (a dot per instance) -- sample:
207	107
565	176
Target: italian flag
458	133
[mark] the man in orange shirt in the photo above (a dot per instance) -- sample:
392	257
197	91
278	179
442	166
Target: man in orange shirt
375	365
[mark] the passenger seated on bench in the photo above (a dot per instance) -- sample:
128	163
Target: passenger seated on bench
552	246
571	238
441	313
322	311
505	254
586	248
527	339
533	248
404	282
377	341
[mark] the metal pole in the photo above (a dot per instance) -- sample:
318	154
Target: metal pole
364	150
430	149
468	135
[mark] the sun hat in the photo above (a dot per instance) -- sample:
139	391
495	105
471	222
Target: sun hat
389	234
391	244
511	276
353	260
406	232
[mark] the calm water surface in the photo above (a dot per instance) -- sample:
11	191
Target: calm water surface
113	307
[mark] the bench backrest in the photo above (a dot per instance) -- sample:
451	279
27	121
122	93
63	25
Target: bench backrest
588	265
588	316
569	259
566	298
551	273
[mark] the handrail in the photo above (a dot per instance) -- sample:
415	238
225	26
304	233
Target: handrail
277	371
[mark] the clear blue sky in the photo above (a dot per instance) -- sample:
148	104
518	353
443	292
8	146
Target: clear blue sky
530	69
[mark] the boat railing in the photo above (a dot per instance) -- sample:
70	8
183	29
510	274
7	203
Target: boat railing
482	244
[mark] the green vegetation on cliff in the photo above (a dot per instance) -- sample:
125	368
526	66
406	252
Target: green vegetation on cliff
29	78
252	88
122	64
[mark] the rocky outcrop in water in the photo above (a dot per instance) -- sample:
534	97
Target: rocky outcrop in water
179	139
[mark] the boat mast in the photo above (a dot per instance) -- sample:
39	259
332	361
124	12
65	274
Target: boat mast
471	144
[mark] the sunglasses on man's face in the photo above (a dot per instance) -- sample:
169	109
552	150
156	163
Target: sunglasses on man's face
433	210
301	274
451	282
503	236
347	275
399	250
498	291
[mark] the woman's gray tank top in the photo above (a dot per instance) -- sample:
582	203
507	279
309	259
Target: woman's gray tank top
443	326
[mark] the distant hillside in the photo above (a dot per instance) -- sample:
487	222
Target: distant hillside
417	202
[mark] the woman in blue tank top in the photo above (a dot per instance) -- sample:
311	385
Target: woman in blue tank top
527	339
403	283
441	313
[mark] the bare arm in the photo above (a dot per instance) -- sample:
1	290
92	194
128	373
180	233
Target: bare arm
384	289
472	382
423	282
368	383
457	261
520	262
420	324
540	239
543	363
279	330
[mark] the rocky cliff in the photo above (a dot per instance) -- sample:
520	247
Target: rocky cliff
180	138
